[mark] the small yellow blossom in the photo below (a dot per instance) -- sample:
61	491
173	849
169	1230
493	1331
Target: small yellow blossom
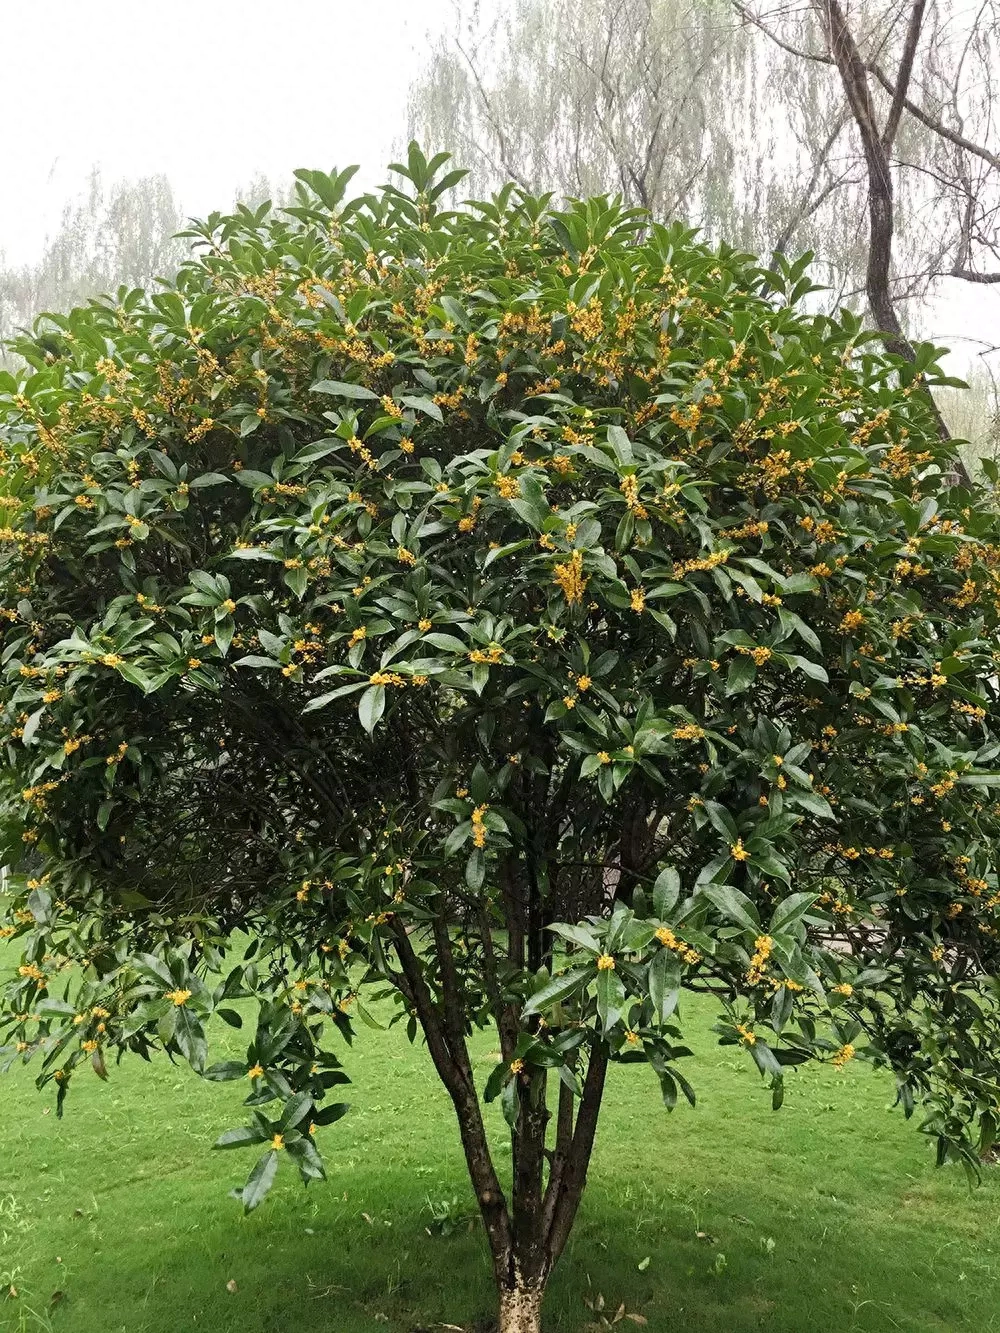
845	1053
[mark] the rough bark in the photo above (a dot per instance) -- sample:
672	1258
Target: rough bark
454	1069
520	1308
570	1188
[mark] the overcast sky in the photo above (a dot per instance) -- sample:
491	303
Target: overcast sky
209	92
214	92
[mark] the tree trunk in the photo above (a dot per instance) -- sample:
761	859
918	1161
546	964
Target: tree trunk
520	1308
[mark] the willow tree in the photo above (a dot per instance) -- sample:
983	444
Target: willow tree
771	126
516	611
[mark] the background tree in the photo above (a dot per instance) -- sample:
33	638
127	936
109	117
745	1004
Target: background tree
122	235
749	121
933	67
513	613
670	103
125	234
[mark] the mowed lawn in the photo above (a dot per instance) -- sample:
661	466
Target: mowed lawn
827	1215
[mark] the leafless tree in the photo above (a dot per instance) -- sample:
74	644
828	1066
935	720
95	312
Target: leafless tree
918	79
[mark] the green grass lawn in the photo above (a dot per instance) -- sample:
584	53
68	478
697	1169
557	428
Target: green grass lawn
827	1215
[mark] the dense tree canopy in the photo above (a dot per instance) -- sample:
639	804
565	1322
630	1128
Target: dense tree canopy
527	613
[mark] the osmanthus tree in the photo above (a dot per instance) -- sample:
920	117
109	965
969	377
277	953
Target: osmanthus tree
526	614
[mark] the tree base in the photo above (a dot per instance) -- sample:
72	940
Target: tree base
520	1310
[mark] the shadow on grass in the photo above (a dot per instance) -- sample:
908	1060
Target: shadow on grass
357	1257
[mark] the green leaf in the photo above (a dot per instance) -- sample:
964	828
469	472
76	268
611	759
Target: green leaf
295	1111
790	623
475	869
722	820
40	905
297	579
260	1180
742	673
610	997
425	405
226	1071
306	1156
190	1037
343	389
734	905
666	891
557	990
371	706
664	983
31	726
621	444
224	630
766	864
577	935
790	910
811	669
323	699
495	1082
509	1103
329	1115
811	801
239	1138
255	661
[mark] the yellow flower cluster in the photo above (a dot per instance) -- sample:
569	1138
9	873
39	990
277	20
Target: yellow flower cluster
749	529
670	941
571	579
386	678
491	656
587	321
763	945
629	487
759	654
704	563
478	827
686	418
467	523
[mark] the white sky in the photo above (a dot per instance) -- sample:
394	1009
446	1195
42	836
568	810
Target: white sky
209	92
213	92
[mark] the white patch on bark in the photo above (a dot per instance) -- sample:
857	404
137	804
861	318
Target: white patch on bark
520	1309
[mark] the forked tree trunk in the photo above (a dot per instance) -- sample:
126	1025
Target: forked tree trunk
526	1237
520	1308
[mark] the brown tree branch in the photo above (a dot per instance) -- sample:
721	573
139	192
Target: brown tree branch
560	1154
492	1203
968	275
930	121
904	74
574	1177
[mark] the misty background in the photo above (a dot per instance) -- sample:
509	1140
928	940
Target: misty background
726	114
